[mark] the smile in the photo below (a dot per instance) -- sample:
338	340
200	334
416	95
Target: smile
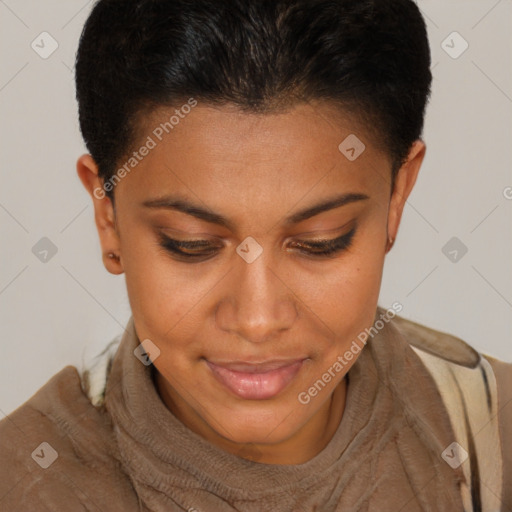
256	381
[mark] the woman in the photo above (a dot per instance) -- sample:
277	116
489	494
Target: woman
249	163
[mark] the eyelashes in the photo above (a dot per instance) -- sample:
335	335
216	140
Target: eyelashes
326	247
195	250
180	247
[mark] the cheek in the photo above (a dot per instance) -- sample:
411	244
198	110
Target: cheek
163	294
350	300
173	300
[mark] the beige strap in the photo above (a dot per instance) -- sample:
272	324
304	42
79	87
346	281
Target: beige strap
94	376
472	393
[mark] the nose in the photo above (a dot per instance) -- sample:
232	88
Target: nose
257	304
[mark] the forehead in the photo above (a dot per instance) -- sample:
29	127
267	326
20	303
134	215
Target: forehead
231	129
221	156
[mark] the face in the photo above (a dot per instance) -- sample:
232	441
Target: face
253	251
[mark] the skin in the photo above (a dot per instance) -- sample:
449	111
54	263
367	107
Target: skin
255	170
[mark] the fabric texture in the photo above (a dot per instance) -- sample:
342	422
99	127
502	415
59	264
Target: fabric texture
130	453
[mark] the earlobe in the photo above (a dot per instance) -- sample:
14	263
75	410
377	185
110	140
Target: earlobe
404	183
389	244
112	263
104	214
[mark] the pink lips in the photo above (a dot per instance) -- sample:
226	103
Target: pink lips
256	381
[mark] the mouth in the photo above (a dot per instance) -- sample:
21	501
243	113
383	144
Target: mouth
256	381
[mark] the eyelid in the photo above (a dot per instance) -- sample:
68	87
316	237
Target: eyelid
189	244
319	243
322	242
315	247
206	236
324	233
180	233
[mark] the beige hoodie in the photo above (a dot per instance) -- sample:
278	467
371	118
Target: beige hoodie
59	452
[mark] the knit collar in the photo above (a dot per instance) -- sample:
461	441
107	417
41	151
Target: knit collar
390	396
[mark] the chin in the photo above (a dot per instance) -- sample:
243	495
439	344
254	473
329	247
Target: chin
263	424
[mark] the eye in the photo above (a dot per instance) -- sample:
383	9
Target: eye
324	247
189	249
203	249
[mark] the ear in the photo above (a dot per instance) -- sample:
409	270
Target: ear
404	183
104	214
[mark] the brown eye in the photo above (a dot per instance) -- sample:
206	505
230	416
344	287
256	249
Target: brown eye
188	248
326	247
203	249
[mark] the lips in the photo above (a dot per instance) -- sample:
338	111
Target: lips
253	381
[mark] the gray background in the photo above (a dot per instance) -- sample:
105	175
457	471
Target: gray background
63	311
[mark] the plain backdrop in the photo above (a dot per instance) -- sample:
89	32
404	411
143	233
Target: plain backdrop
64	310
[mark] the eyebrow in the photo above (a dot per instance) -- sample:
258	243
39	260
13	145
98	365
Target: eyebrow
185	206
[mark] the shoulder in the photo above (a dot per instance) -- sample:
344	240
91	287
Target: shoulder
477	392
503	373
437	343
56	448
442	346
